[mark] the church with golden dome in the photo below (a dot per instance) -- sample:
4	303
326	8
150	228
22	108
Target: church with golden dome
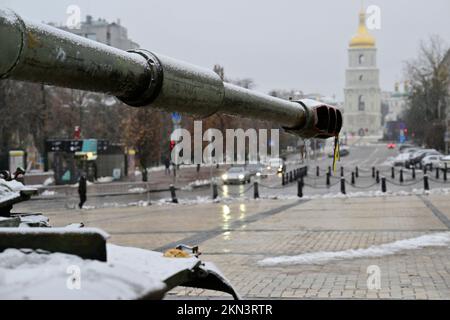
362	106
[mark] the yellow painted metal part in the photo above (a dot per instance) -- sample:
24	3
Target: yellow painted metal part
176	253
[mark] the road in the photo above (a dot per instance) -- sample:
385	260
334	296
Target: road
362	154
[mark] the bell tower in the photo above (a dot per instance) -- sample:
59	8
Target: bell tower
362	107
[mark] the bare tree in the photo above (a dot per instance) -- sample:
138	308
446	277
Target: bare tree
429	80
142	132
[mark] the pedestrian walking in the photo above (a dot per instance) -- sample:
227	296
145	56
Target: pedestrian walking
167	165
82	189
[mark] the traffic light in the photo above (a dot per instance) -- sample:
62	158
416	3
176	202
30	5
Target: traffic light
77	133
172	145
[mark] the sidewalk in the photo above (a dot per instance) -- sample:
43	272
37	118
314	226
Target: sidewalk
320	248
157	181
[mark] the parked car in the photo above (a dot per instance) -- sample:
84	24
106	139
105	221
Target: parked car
276	165
417	157
238	175
401	159
343	151
431	161
444	160
410	150
405	146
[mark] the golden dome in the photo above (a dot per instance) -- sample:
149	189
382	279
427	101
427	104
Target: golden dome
362	39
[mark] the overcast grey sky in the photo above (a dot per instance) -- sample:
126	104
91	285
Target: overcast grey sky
281	44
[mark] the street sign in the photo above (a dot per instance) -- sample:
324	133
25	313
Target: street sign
176	118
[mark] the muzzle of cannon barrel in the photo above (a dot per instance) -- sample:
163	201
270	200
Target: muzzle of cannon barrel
40	53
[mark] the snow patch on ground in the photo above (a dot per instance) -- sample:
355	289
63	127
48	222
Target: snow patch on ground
49	181
137	190
196	184
430	240
105	179
48	193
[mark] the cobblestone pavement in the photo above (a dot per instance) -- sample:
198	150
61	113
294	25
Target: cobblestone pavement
238	235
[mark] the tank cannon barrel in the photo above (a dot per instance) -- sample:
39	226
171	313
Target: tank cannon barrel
40	53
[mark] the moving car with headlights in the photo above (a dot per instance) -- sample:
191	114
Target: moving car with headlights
276	165
236	175
256	170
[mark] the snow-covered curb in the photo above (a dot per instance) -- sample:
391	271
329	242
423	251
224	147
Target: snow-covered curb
196	184
208	200
441	239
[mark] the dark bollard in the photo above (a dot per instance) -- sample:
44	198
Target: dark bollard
414	173
255	190
437	172
378	177
426	185
283	179
392	173
356	172
445	175
317	171
328	179
383	184
329	170
373	172
343	185
291	178
173	194
342	171
215	191
300	188
353	178
401	175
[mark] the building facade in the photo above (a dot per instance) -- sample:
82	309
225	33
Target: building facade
396	102
113	34
362	94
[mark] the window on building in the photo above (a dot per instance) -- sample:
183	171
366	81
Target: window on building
361	59
361	103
